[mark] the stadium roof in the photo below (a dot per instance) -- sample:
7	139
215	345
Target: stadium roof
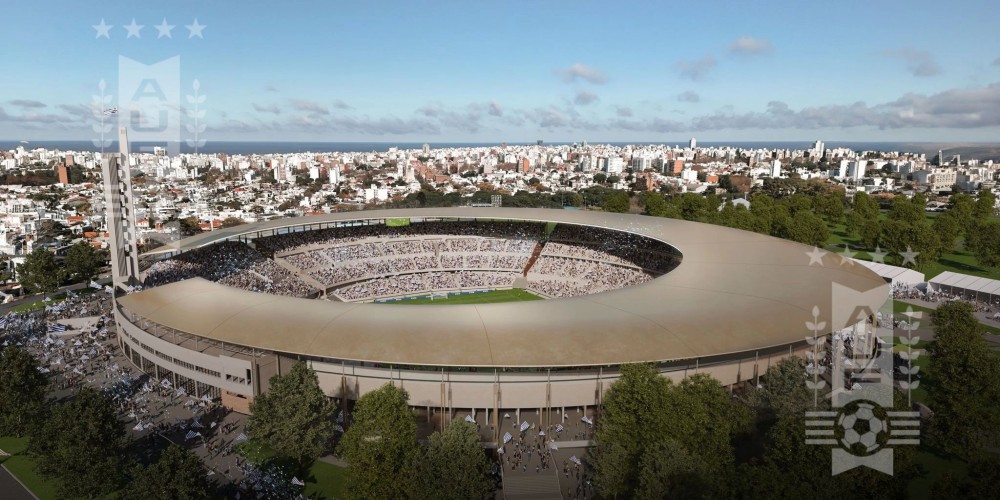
734	291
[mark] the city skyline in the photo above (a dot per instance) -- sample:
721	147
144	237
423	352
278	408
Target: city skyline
520	72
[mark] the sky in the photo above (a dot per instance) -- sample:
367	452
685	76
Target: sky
443	71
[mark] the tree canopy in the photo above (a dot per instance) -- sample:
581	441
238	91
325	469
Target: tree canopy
22	391
455	466
40	272
177	474
83	444
381	446
294	416
965	381
81	262
653	433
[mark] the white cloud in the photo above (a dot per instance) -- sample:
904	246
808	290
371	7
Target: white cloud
688	96
583	72
918	62
311	107
585	97
272	108
696	69
748	45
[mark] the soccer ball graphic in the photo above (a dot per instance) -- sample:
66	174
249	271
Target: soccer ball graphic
861	427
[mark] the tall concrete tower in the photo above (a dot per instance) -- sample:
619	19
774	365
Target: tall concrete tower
120	213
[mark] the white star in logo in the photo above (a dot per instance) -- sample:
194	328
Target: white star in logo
847	256
133	29
909	256
816	256
878	256
103	29
164	29
195	29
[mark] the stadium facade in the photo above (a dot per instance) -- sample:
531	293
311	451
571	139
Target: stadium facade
732	303
736	303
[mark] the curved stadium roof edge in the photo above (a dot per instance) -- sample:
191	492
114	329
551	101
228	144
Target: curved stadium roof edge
733	292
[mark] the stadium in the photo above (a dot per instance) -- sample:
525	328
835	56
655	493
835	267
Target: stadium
221	312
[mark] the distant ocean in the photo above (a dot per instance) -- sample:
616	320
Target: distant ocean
244	148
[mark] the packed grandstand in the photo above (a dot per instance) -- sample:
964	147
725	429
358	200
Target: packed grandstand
358	263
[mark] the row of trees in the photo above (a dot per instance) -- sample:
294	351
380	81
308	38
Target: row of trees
82	445
296	420
659	439
42	273
798	217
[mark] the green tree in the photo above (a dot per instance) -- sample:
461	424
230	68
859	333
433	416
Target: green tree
81	262
455	466
985	205
22	391
645	414
616	202
865	208
632	419
692	206
947	229
870	232
782	391
40	272
600	178
668	470
965	381
907	211
806	227
189	226
232	222
177	474
963	207
985	243
294	416
654	204
83	444
381	446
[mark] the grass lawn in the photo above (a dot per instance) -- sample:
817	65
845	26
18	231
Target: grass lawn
512	295
919	394
899	307
958	261
326	481
23	467
935	467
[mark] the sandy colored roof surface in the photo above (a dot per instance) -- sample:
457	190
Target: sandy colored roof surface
734	291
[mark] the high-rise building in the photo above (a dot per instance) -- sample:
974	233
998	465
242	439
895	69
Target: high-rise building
62	171
776	169
693	144
427	149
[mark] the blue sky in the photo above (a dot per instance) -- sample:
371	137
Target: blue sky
518	71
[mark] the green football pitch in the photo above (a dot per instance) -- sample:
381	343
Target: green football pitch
512	295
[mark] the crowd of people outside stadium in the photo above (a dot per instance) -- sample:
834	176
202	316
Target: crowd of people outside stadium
86	354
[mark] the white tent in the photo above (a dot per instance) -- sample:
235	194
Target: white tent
894	275
966	286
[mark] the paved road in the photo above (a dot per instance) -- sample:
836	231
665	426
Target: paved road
11	489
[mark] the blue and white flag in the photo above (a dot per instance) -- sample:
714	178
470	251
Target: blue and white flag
524	426
507	437
4	320
56	327
94	284
559	428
